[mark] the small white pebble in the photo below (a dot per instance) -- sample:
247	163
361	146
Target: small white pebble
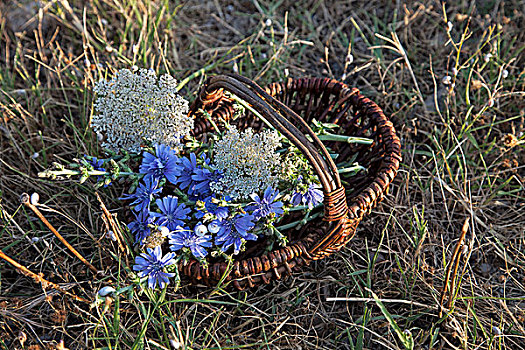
496	330
264	56
268	22
505	74
35	239
109	49
105	291
35	155
487	57
104	22
35	198
447	79
449	26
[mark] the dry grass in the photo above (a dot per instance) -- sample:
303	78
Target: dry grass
463	149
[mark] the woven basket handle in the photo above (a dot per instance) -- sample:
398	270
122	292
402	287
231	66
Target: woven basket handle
287	122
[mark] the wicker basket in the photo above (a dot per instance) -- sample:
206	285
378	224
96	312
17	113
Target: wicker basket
289	107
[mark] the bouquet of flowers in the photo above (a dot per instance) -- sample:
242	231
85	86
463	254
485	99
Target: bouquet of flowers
208	197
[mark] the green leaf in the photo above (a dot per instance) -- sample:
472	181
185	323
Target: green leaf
406	338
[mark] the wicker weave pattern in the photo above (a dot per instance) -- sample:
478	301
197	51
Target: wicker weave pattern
290	106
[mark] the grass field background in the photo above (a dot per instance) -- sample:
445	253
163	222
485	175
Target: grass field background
450	76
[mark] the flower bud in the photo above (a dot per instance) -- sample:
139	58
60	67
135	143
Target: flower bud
201	230
105	291
214	227
35	198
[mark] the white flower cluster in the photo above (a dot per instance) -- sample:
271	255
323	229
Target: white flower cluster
293	164
136	106
248	161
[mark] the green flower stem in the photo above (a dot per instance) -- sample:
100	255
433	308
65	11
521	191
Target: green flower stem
213	124
69	172
195	75
251	109
130	287
183	196
282	238
355	168
304	207
347	139
299	222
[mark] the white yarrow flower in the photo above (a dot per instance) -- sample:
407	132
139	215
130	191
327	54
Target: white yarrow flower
132	107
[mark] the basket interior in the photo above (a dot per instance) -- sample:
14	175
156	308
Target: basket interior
331	104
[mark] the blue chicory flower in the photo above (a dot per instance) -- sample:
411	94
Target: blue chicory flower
163	163
232	231
97	165
143	194
172	214
195	177
152	264
312	197
262	207
196	240
185	171
140	227
213	208
202	178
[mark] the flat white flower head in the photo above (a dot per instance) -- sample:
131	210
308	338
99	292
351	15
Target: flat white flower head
248	162
134	106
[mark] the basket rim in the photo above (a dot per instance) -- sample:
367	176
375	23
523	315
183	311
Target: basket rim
301	251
